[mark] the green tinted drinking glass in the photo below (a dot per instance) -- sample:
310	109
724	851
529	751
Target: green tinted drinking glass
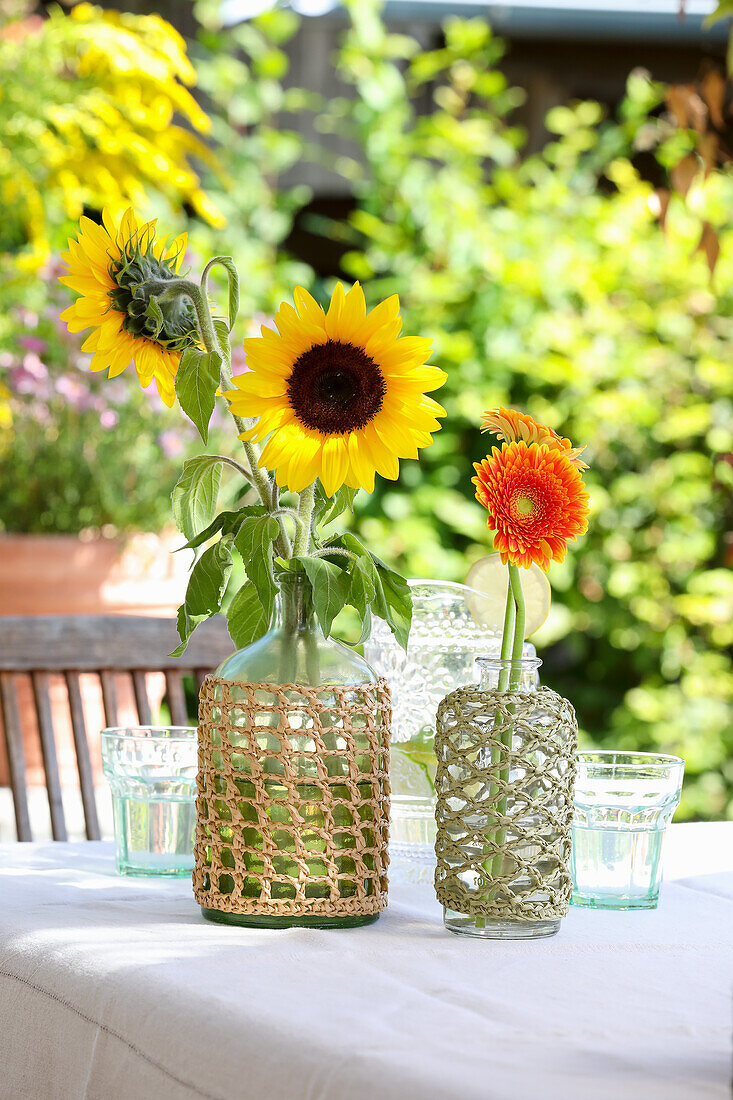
623	804
152	773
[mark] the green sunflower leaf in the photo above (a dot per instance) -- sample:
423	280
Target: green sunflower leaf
327	509
194	496
247	618
330	585
227	522
253	540
205	591
222	330
398	599
361	591
197	379
228	264
391	599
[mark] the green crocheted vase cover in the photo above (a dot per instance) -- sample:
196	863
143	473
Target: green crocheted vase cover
504	801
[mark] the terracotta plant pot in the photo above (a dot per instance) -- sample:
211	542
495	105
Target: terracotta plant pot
69	575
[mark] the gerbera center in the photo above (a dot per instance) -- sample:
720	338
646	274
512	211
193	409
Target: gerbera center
138	276
524	505
335	387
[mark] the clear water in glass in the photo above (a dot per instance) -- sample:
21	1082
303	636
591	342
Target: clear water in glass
623	804
152	773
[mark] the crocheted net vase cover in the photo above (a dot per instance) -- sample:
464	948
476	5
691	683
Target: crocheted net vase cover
293	799
504	787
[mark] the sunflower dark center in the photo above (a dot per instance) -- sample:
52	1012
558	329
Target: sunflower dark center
335	387
172	324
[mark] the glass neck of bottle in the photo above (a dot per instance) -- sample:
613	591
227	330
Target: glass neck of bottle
499	675
294	611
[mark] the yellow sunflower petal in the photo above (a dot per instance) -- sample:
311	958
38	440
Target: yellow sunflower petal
335	463
255	384
383	314
120	361
305	461
352	315
362	468
72	320
385	462
108	222
308	308
334	312
165	387
91	341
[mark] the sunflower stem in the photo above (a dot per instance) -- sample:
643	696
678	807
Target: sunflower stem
306	506
245	473
290	513
180	288
328	550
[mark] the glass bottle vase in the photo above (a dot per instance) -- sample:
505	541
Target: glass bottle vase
293	778
504	787
445	640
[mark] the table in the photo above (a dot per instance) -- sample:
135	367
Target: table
115	987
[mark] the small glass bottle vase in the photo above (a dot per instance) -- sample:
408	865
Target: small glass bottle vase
293	792
504	799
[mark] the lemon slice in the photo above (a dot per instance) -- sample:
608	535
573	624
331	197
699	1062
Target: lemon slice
412	769
488	579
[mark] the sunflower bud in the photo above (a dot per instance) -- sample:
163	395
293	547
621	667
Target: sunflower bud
139	279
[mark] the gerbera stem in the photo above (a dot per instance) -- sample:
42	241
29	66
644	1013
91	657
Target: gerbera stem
518	642
507	634
492	866
515	639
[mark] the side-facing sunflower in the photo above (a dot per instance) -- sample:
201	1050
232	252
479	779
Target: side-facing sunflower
340	393
114	269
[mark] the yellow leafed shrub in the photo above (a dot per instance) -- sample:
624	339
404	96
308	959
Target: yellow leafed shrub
94	111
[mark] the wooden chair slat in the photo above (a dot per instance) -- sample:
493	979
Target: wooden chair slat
16	755
176	698
142	701
109	646
87	643
109	697
42	697
83	760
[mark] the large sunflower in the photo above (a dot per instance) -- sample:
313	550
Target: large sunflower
340	393
112	267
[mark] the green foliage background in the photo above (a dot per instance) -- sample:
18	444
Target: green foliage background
545	283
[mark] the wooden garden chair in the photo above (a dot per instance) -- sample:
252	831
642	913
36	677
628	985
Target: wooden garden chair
108	646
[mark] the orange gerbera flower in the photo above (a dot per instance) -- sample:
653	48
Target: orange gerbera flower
511	425
536	501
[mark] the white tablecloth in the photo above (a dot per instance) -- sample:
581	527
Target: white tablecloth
116	988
